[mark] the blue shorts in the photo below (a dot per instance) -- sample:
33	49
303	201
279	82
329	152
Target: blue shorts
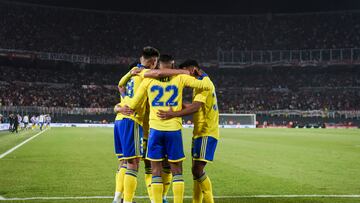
128	139
203	148
165	144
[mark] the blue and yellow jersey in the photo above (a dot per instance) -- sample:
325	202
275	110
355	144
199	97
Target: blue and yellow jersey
132	84
206	120
163	94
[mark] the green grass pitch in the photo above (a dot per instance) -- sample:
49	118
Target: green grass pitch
64	162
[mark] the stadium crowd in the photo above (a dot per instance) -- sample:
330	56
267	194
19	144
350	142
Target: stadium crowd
60	30
238	91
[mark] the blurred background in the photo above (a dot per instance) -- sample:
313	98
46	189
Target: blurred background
292	64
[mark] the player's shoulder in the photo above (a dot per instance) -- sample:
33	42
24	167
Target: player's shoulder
205	77
183	76
147	81
143	70
133	68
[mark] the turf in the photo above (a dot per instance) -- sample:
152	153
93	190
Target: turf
9	140
80	162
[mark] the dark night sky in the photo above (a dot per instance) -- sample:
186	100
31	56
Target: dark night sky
206	7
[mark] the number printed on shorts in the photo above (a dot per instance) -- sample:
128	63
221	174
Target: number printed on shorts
160	93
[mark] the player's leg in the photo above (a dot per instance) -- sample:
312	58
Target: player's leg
119	181
203	151
156	154
148	172
197	196
175	153
130	179
178	185
148	177
131	140
120	173
167	178
198	175
157	185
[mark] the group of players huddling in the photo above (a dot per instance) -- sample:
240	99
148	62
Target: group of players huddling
148	127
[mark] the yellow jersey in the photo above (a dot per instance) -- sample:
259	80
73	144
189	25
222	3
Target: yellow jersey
206	120
132	84
163	94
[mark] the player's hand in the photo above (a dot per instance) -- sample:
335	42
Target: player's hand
164	115
125	110
136	71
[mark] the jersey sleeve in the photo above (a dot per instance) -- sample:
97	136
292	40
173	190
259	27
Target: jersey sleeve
125	78
201	96
140	94
190	81
142	73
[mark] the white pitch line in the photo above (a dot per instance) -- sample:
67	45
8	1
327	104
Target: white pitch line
186	197
19	145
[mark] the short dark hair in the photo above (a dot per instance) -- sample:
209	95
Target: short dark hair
189	62
149	52
166	58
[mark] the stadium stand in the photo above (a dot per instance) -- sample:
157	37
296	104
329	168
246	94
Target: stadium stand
55	84
239	90
36	28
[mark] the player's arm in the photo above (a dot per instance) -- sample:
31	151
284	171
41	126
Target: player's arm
123	110
140	94
188	110
190	81
125	78
158	73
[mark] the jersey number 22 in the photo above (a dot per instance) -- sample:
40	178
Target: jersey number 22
160	90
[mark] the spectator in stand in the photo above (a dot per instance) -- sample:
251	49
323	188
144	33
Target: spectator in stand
238	91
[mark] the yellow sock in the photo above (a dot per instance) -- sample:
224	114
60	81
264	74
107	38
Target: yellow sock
197	194
157	189
119	183
167	178
148	177
178	188
120	180
130	183
206	188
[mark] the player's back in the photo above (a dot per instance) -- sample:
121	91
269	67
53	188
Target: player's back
206	120
166	93
163	94
132	86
